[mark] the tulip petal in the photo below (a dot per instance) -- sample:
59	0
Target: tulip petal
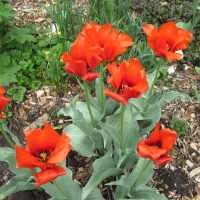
152	152
91	76
163	160
168	138
3	103
42	140
2	91
48	175
76	67
115	96
26	160
61	150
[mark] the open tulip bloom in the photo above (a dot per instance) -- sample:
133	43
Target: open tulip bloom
94	45
158	145
128	80
3	103
45	149
166	41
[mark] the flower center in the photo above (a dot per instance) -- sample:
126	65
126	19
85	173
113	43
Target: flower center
43	157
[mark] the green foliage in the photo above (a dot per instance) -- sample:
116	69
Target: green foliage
197	93
6	12
180	126
17	94
67	20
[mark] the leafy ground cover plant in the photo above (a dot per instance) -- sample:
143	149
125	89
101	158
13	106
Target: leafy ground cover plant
180	126
108	127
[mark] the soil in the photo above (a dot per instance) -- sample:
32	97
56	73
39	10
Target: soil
179	180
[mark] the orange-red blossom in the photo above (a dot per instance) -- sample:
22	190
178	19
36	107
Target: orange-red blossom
3	103
166	41
158	145
45	149
128	79
94	45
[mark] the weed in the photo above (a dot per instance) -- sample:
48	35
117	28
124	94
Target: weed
179	125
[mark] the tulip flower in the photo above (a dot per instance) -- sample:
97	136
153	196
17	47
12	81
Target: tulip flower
94	45
128	80
166	41
45	149
158	145
3	103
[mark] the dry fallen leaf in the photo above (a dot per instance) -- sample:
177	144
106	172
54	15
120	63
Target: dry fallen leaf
23	114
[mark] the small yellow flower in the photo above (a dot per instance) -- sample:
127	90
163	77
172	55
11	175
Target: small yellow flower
47	52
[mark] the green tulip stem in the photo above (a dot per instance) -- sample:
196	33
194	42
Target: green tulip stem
102	88
6	136
122	128
155	77
88	102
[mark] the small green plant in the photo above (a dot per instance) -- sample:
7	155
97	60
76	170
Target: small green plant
179	125
17	93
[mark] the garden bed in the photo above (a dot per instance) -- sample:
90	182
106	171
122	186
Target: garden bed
177	180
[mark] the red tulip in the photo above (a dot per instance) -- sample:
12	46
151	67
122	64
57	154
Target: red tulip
45	148
166	41
3	103
94	45
128	80
159	144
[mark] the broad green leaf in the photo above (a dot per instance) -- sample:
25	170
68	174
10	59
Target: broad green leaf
149	119
13	136
154	97
197	69
141	174
125	160
97	139
21	35
64	187
5	60
111	131
150	78
144	192
197	93
110	107
80	141
6	11
9	155
15	184
8	75
103	168
167	97
95	195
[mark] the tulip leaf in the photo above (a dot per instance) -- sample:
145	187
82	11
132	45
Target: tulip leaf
9	155
15	184
103	168
64	187
97	139
95	195
15	139
170	96
150	78
144	192
125	160
131	130
80	141
111	131
149	119
110	107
